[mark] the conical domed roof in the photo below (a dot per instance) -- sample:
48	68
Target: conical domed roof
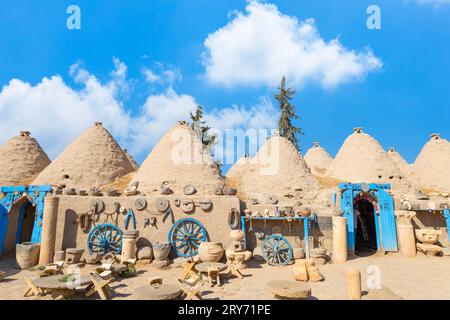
94	159
362	159
132	161
21	160
431	169
180	159
399	161
277	169
318	159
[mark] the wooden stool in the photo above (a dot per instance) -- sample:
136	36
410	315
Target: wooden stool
191	288
189	269
32	289
154	280
232	268
214	275
101	286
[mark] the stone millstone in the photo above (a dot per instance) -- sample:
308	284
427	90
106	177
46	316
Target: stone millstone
288	289
158	292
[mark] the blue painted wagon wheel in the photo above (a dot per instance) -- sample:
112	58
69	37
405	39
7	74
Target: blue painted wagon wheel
185	237
105	238
276	250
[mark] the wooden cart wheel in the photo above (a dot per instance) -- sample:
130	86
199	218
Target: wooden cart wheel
276	250
185	237
105	238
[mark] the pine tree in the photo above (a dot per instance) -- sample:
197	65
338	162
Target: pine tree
201	129
285	126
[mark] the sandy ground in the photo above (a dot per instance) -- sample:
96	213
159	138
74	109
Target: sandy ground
424	278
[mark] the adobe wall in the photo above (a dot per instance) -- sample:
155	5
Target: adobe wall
70	235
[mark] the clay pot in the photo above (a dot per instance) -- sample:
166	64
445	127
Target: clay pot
27	254
210	251
237	235
428	236
161	250
59	256
144	253
73	255
305	212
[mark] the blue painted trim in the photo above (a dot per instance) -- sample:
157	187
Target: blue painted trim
130	217
447	221
372	186
377	227
306	234
244	231
347	208
12	194
4	219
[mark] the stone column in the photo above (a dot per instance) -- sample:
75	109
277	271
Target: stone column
129	245
48	237
353	284
405	233
339	239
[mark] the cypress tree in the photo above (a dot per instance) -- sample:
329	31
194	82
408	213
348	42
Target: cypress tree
285	126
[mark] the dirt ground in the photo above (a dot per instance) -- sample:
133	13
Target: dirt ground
424	278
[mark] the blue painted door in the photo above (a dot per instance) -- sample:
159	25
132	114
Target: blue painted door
447	221
347	207
387	226
3	226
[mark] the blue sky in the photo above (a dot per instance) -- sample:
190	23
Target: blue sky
398	89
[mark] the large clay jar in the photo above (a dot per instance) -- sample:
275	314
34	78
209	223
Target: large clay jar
428	236
210	251
161	250
237	235
27	254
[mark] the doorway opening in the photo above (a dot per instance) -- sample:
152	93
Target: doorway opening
366	234
26	223
21	220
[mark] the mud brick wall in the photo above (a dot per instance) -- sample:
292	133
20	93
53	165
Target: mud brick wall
70	235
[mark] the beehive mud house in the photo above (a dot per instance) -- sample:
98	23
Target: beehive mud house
276	192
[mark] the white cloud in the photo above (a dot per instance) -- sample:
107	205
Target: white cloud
260	46
159	113
161	73
56	113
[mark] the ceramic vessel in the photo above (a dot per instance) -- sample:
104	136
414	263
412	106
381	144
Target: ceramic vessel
161	250
428	236
237	235
210	251
27	254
